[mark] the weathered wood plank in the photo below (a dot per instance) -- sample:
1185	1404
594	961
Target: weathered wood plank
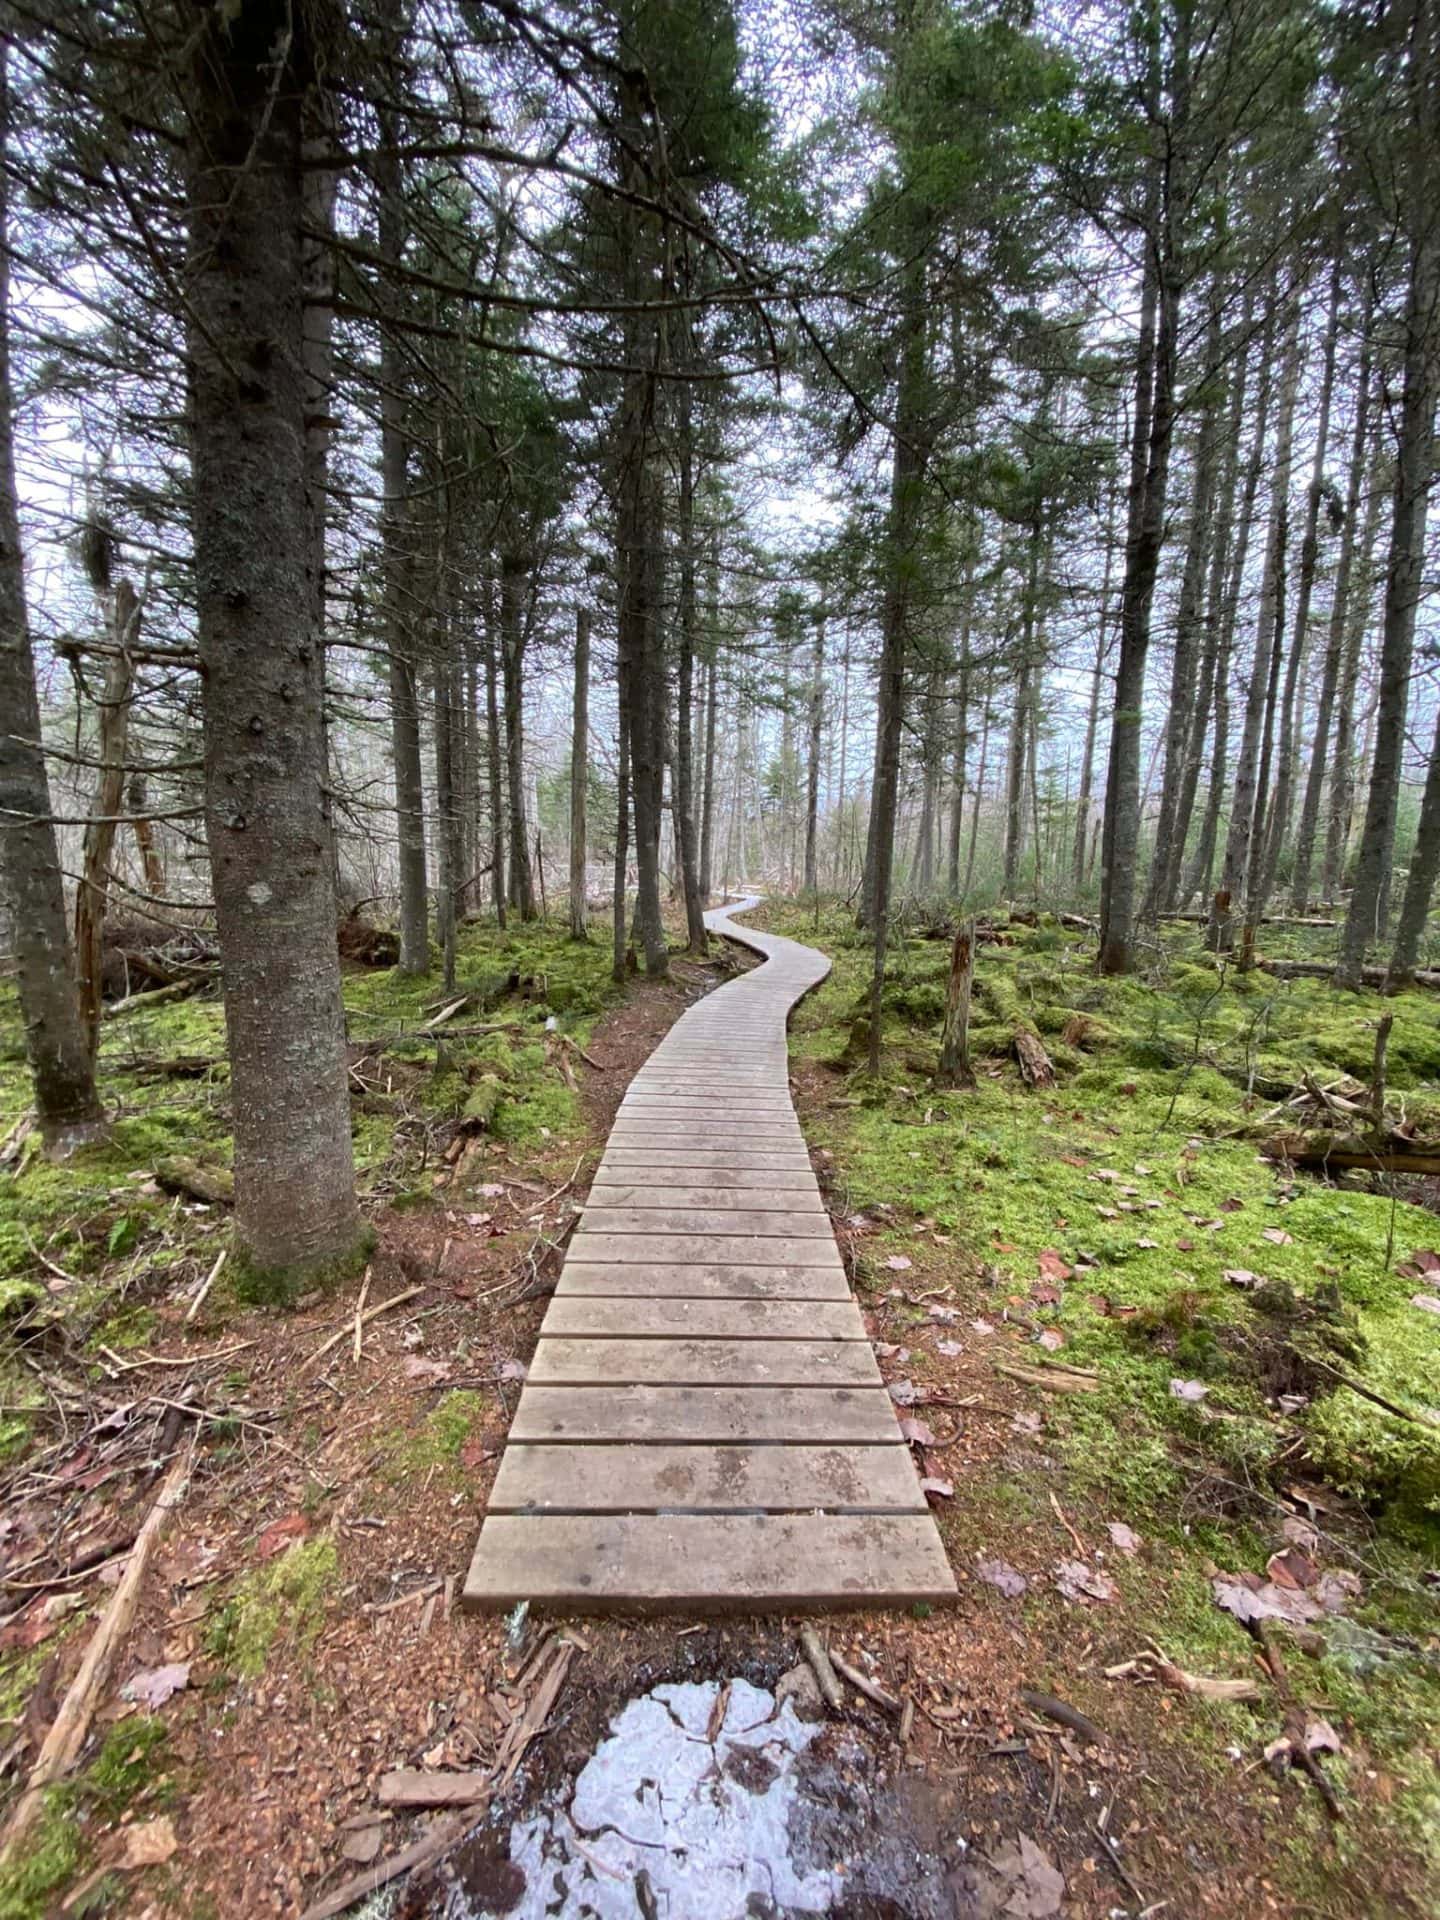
591	1316
706	1250
749	1159
735	1479
757	1223
661	1280
721	1193
642	1562
798	1182
703	1363
830	1416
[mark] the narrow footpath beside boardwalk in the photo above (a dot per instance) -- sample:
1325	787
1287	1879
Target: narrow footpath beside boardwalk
704	1424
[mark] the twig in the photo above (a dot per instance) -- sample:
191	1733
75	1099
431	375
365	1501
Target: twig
867	1687
67	1735
360	1314
1080	1547
1062	1712
550	1198
203	1294
385	1306
813	1648
438	1840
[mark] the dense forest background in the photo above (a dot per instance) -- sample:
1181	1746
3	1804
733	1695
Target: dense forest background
469	459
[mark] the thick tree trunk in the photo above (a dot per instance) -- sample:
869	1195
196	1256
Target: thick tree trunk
954	1066
958	787
447	812
1320	759
397	594
265	813
55	1043
707	804
579	777
1414	472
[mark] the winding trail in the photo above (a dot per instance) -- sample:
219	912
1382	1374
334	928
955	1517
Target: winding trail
703	1426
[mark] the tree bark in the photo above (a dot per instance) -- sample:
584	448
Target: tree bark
1150	467
683	772
55	1045
579	777
812	770
1420	885
266	820
1357	620
1320	760
954	1067
494	761
513	574
93	890
397	594
1414	469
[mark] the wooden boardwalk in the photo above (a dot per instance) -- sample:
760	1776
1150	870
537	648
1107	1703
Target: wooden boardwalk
704	1425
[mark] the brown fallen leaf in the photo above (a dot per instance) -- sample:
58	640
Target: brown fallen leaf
280	1533
1076	1581
1001	1575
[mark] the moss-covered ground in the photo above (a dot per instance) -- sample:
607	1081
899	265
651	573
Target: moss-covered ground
1126	1221
86	1244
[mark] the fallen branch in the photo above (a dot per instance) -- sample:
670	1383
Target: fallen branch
1049	1381
1036	1067
203	1294
66	1738
385	1306
440	1838
878	1695
813	1648
1063	1714
359	1346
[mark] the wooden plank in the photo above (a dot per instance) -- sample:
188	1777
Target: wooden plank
592	1316
703	1363
705	1249
784	1160
643	1562
737	1479
797	1181
757	1223
720	1193
662	1280
831	1416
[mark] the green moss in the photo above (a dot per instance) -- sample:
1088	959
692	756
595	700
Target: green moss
33	1876
285	1599
438	1440
260	1286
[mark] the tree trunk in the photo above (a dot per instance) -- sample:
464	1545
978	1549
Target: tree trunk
1183	717
266	820
1357	622
1335	641
1084	799
494	761
55	1044
513	572
954	1067
620	920
1420	886
707	804
958	788
1414	471
398	584
812	770
682	790
92	892
1238	840
579	776
1150	467
1290	723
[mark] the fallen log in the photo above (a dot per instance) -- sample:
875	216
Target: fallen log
1036	1067
213	1186
1347	1154
160	996
1428	977
411	1787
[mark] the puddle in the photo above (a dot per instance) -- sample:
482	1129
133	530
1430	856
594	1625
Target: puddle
777	1817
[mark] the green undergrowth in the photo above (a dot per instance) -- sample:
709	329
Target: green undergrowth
115	1242
1138	1175
130	1775
281	1603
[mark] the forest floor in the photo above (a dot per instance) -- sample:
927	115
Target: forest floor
298	1637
